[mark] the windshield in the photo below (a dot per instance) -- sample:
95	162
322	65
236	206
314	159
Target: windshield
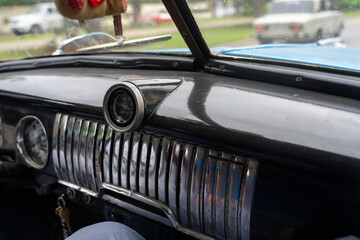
326	35
291	7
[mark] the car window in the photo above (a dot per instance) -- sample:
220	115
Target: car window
26	32
292	7
285	30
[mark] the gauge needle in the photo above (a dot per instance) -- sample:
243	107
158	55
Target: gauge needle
126	107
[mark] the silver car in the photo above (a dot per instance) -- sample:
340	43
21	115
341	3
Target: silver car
298	21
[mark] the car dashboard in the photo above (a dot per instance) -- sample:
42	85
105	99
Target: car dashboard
212	156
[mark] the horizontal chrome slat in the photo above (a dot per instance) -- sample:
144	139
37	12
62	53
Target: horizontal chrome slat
205	190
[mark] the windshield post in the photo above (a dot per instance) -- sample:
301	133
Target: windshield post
188	28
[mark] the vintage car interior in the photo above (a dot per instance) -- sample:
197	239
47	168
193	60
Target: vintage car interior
179	146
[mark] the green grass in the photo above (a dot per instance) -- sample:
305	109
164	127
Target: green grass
26	37
213	37
353	13
20	54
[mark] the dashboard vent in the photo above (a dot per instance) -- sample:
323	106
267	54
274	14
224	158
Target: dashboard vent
208	191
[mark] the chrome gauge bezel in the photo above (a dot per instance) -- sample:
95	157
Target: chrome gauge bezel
139	107
20	142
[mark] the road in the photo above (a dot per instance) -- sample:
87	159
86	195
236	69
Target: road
351	34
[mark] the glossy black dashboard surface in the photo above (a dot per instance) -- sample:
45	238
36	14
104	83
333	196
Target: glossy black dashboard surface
307	143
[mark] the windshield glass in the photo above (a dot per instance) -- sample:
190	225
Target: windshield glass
31	30
326	35
291	7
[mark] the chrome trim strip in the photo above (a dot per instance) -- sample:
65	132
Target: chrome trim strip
162	172
76	149
154	203
233	209
90	147
221	175
247	198
133	161
82	156
125	160
143	165
55	149
107	155
69	146
174	167
116	158
209	194
137	210
153	166
78	188
196	196
185	185
62	144
98	154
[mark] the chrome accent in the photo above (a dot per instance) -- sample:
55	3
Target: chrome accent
126	151
55	145
209	195
90	152
162	172
207	191
82	153
154	203
20	142
98	154
107	155
134	162
62	141
247	199
78	188
76	150
174	167
143	165
184	185
197	190
68	146
139	106
233	208
221	179
153	166
116	158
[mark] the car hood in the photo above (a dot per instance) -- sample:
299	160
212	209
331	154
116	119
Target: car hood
284	18
311	53
329	56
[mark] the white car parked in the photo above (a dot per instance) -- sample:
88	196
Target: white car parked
298	21
43	17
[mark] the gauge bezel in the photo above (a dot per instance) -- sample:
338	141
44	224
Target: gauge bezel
20	143
139	107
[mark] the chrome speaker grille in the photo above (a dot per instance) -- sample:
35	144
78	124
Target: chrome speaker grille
207	191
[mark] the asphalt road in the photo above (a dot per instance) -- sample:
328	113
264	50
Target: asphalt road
351	33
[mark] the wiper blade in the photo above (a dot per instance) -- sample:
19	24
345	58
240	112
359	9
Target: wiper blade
129	43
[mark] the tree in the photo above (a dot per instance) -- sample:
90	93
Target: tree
136	5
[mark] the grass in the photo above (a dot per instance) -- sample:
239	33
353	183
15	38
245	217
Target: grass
213	37
25	37
20	54
353	13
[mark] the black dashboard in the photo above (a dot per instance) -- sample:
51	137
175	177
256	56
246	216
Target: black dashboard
212	156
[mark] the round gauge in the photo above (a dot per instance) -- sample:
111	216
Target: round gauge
32	141
124	107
